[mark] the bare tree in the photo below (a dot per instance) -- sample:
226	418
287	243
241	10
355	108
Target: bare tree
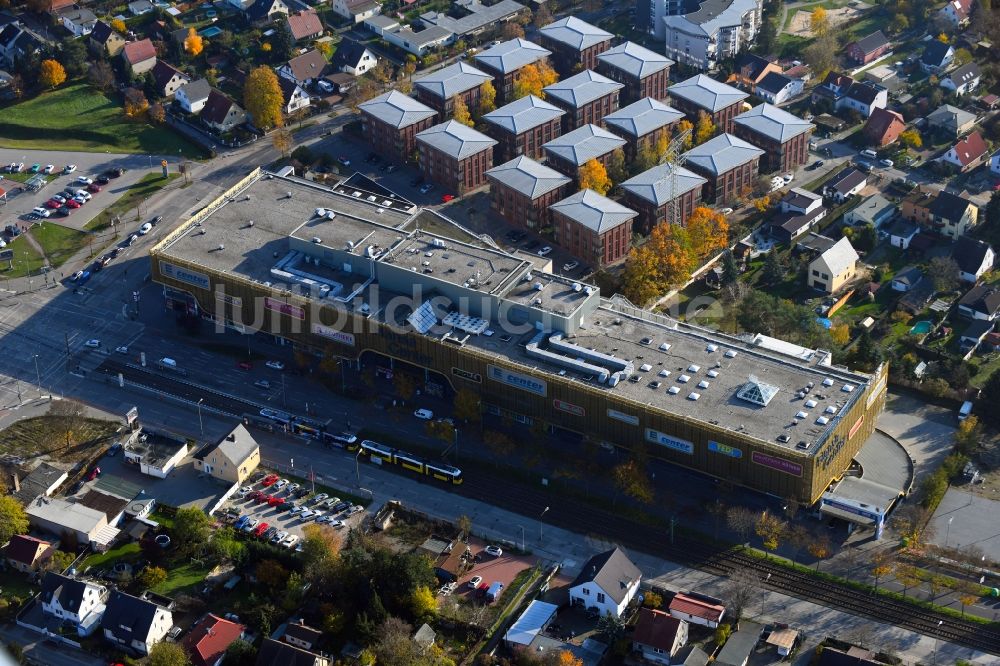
741	520
716	509
742	586
69	417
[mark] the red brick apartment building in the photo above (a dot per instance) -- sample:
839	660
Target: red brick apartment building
586	97
522	126
593	227
505	62
439	89
784	137
703	93
730	165
652	192
575	44
642	124
391	123
522	190
644	73
455	156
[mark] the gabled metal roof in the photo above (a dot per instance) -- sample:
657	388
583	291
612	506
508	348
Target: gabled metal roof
455	139
582	88
527	177
512	55
706	92
583	144
397	109
643	117
594	211
635	60
774	123
656	185
722	153
523	114
452	80
575	33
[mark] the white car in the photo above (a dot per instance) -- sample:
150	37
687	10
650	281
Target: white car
570	265
319	498
494	551
293	488
244	491
788	177
41	212
290	541
424	414
544	251
275	365
122	349
70	168
887	163
251	525
306	515
93	343
727	211
145	229
49	168
357	508
325	86
475	582
279	537
84	194
280	484
84	180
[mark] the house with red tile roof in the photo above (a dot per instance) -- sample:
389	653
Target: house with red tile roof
305	25
883	127
658	635
967	153
26	553
140	56
697	609
209	638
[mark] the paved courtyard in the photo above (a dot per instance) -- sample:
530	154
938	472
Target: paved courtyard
966	519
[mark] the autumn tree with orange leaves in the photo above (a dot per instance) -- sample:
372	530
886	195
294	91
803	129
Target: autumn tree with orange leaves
193	43
664	261
707	230
532	78
593	176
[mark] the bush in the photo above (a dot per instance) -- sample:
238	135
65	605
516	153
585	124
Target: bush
304	155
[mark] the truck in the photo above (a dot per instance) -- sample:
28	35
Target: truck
493	592
965	410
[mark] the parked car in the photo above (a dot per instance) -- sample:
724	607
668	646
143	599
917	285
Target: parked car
325	86
426	187
320	498
290	541
41	212
35	168
245	365
94	473
281	484
84	180
49	168
424	414
447	197
93	343
493	551
270	480
145	229
275	365
475	582
95	188
123	349
545	251
103	180
156	220
70	168
262	383
343	161
279	536
887	163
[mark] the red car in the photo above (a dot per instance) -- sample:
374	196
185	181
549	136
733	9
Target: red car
446	198
93	187
261	498
245	365
96	472
72	203
269	480
275	501
255	496
260	529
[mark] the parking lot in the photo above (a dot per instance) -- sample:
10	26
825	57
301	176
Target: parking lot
489	570
288	508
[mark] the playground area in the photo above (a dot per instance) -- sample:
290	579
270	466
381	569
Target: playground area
799	24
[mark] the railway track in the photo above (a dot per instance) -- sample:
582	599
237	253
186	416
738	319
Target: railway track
570	514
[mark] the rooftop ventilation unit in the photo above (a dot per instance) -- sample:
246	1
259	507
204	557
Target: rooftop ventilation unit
847	388
221	247
527	276
577	287
673	390
437	242
664	373
712	373
693	395
822	420
810	403
589	290
730	353
645	367
694	368
664	347
317	240
703	384
830	410
538	286
712	348
801	415
827	382
537	301
250	223
683	379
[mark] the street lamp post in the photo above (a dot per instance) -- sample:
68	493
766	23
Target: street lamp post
357	465
540	524
38	377
201	424
523	549
936	640
947	532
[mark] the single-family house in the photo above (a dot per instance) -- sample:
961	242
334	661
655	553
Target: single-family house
73	601
380	25
278	653
167	79
778	88
883	127
868	48
750	70
41	481
832	89
294	98
995	164
901	233
964	80
71	522
301	635
864	97
951	120
981	302
17	42
974	334
304	25
907	278
740	645
305	69
592	226
967	153
261	12
937	56
79	22
421	42
356	11
354	58
951	214
140	7
133	623
139	56
876	210
112	506
232	459
956	13
799	211
27	553
658	636
847	183
221	113
834	268
607	582
974	258
208	639
104	39
697	609
191	97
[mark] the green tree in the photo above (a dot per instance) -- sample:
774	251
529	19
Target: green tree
239	653
611	628
467	406
13	519
271	574
993	209
616	166
191	529
74	58
774	268
424	603
730	270
168	654
151	577
631	479
59	561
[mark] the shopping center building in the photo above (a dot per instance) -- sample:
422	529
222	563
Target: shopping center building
356	271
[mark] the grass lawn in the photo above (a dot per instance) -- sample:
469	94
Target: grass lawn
128	552
826	4
78	117
14	584
985	366
46	435
59	243
183	579
24	176
26	259
144	188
